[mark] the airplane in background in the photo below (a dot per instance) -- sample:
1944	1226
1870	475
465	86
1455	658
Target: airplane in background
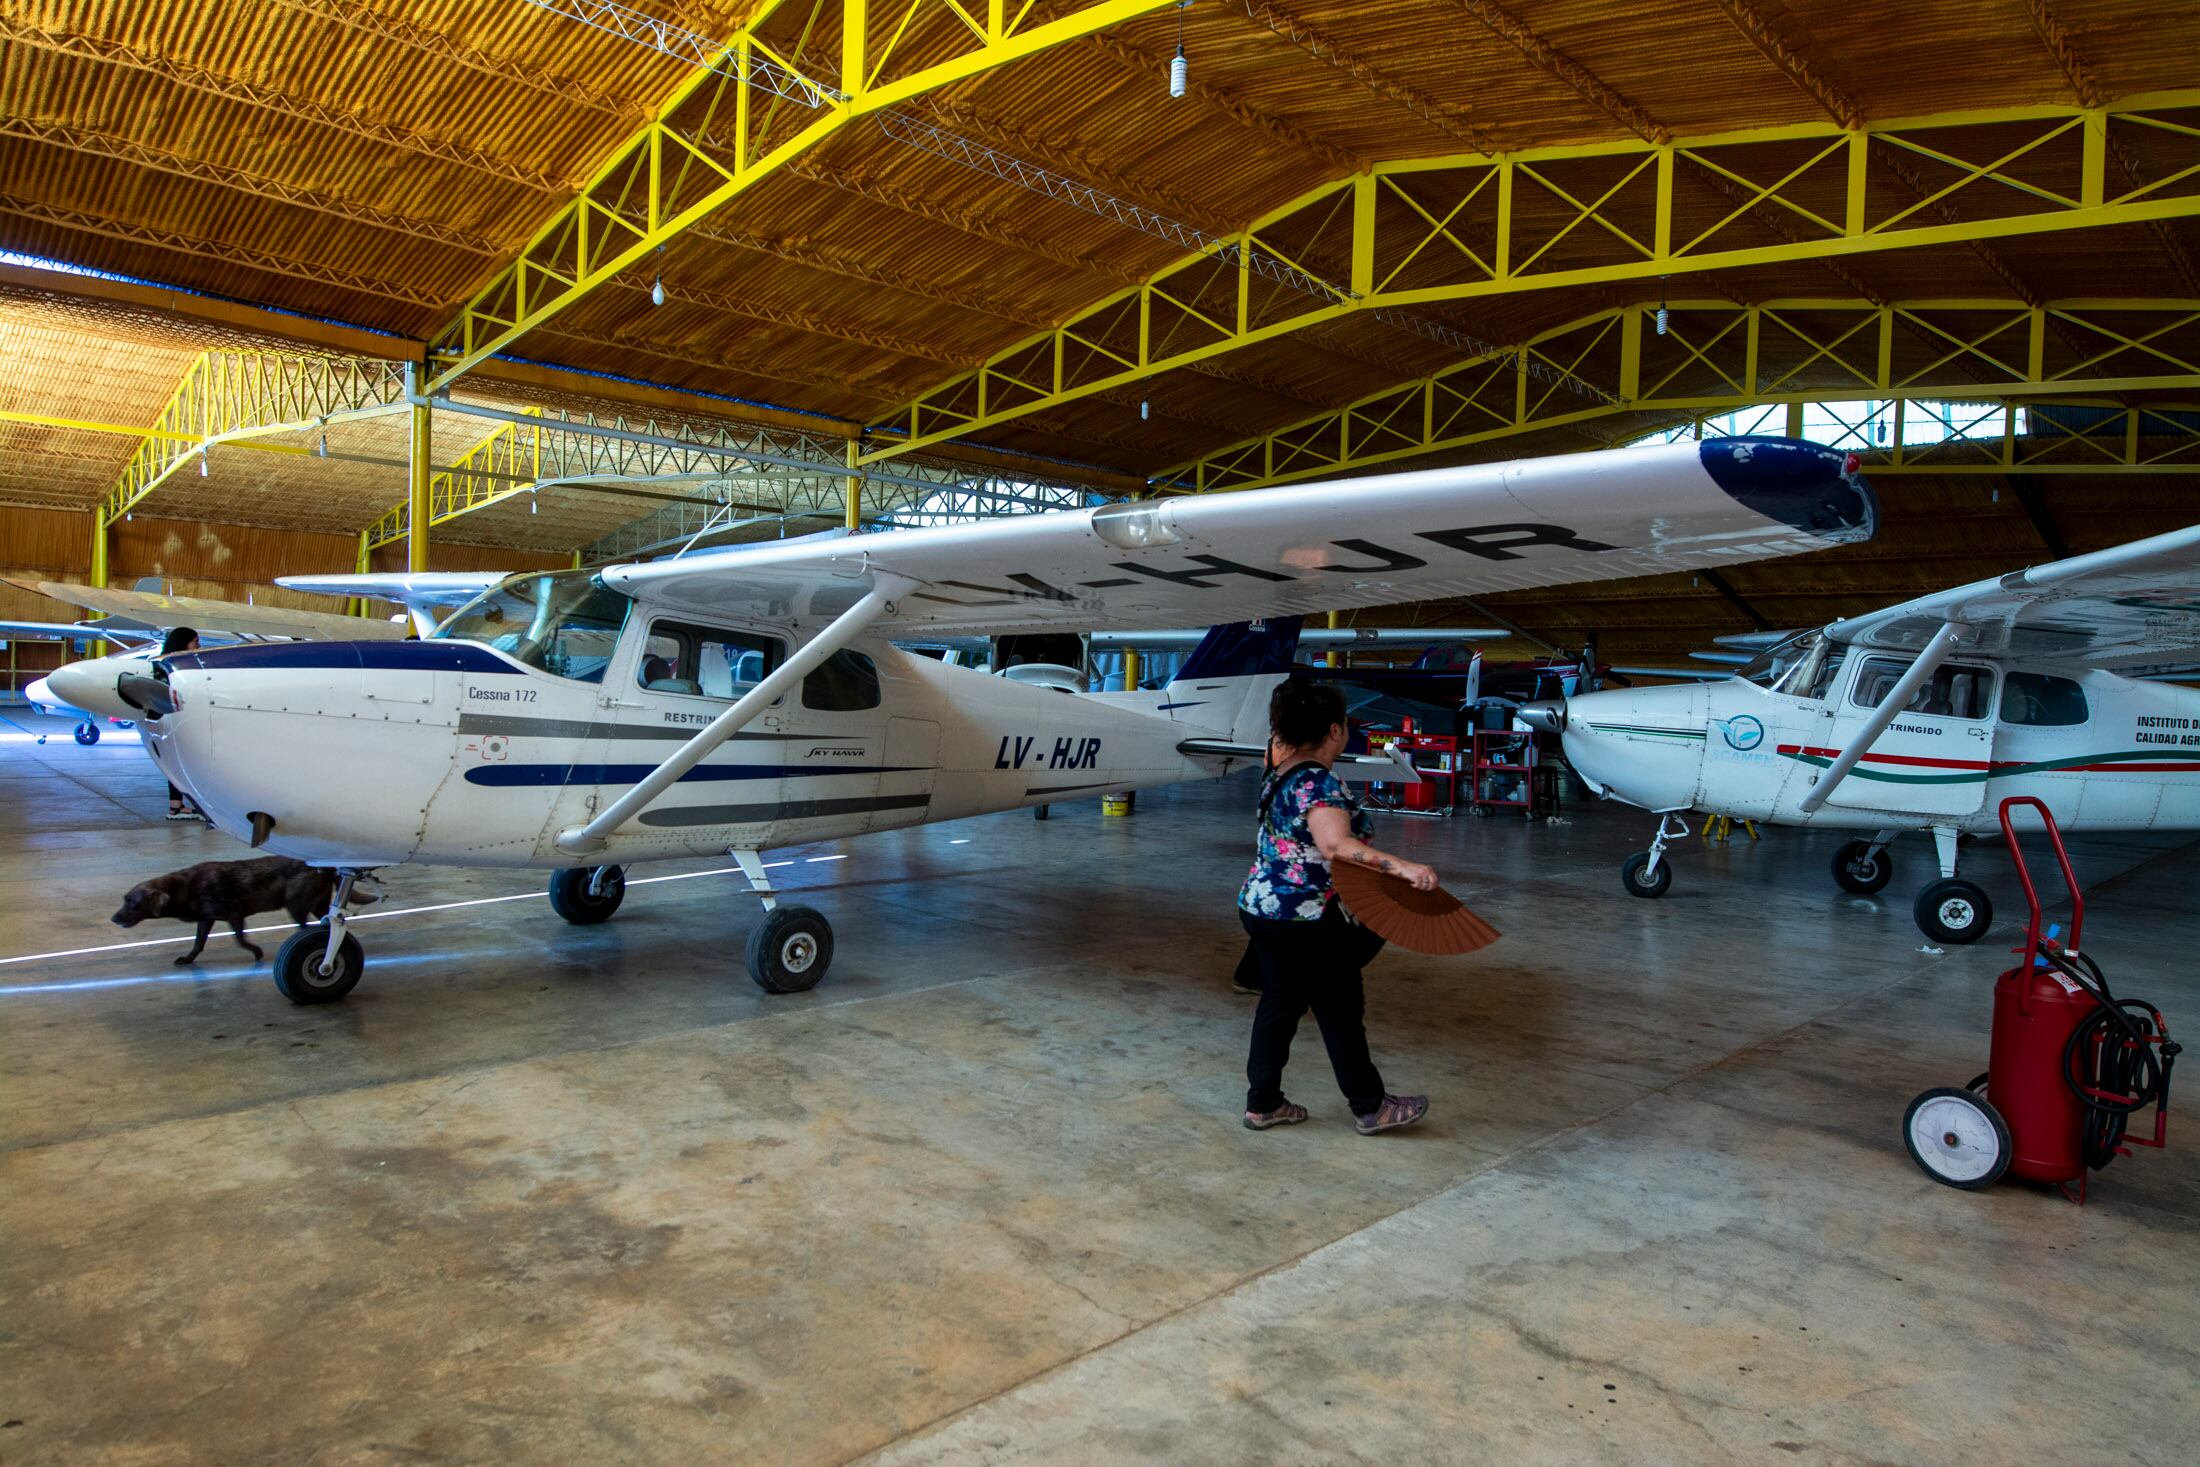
1925	716
744	698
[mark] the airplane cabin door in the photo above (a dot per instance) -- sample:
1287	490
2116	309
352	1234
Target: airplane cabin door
1935	757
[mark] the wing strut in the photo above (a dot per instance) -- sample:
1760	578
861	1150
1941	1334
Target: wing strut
1898	698
581	840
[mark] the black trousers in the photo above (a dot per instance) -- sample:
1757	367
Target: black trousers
1311	965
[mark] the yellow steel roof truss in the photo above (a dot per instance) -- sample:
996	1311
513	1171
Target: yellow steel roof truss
2017	170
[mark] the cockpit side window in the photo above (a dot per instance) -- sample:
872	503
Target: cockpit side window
2038	700
706	662
1955	690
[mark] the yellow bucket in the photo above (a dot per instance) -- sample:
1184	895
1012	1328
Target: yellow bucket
1115	804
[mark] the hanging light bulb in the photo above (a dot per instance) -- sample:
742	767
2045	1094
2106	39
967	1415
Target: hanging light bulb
1179	68
1145	410
1661	318
534	505
202	463
657	291
324	445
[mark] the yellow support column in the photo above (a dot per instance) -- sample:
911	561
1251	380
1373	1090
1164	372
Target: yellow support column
418	510
1334	658
1130	669
98	575
363	563
853	494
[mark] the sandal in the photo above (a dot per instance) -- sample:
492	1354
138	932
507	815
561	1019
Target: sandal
1395	1111
1285	1114
183	815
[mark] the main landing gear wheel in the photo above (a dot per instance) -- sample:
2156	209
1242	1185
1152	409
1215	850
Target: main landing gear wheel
1631	876
298	970
790	949
87	732
571	898
1953	911
1957	1137
1859	868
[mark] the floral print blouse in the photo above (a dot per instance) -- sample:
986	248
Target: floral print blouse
1290	880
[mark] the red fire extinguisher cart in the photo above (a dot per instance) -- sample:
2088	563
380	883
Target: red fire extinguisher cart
2070	1062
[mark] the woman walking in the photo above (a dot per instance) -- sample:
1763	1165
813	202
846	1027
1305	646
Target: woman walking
1308	952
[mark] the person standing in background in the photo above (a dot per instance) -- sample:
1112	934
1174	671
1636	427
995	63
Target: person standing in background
180	639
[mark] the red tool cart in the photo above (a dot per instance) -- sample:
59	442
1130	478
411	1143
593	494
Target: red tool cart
1504	771
1436	757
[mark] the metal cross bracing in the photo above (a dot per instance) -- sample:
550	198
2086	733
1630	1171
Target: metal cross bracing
762	470
1718	356
663	179
537	447
1421	232
959	496
1900	436
229	395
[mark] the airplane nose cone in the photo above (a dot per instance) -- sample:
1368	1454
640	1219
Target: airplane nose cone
41	693
1546	717
89	685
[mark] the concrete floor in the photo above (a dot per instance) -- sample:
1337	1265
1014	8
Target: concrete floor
538	1193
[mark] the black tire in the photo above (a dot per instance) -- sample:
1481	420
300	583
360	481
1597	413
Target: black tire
1038	812
1953	911
1965	1142
298	966
87	732
790	949
570	899
1858	868
1631	877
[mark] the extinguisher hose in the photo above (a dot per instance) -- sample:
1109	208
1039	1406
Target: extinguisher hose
2117	1060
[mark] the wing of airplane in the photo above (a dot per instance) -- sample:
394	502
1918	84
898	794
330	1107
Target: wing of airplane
407	588
69	631
2132	605
151	608
1380	540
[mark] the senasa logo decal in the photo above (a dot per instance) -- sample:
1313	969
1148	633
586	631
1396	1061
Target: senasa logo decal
1742	732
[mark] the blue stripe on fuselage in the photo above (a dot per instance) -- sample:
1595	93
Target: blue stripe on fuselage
506	776
430	656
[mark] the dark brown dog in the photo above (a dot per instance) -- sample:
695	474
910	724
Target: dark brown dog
230	891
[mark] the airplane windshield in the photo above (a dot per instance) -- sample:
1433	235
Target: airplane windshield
564	622
1801	667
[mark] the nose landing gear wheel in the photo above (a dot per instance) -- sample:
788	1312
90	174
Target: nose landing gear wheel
87	732
1958	1138
1637	883
298	966
571	899
1859	868
790	949
1953	911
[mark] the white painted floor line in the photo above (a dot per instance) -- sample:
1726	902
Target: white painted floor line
368	916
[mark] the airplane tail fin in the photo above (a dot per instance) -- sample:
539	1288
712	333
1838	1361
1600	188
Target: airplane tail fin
1226	682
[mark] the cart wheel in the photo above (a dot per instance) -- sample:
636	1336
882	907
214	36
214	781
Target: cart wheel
1957	1137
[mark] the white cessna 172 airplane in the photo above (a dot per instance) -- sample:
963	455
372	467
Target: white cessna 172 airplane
1925	716
745	698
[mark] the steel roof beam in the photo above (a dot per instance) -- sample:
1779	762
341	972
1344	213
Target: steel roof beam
1718	357
1475	226
590	241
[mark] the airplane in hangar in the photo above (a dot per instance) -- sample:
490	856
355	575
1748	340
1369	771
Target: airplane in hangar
1925	716
739	699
